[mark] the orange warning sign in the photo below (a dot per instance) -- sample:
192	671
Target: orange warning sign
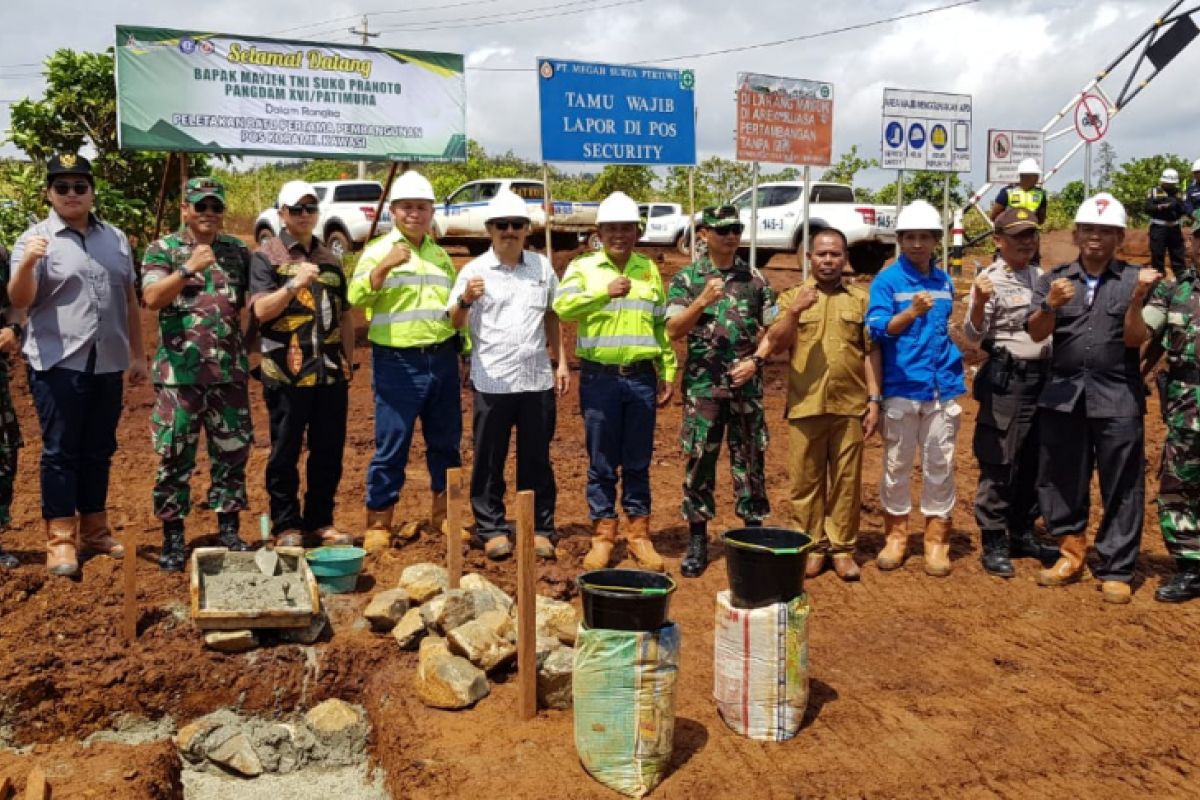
784	120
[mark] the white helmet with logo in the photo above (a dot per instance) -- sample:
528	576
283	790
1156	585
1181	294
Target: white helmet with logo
617	207
1101	209
506	205
1196	165
1029	167
411	185
919	216
1169	176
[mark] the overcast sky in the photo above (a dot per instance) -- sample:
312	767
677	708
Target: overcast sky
1021	61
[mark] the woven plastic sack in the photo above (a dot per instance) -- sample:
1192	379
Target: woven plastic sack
624	693
760	667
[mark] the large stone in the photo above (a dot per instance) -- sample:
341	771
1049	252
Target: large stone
554	678
477	583
237	755
190	739
424	581
409	630
483	641
558	619
445	680
306	635
332	716
231	641
449	610
386	609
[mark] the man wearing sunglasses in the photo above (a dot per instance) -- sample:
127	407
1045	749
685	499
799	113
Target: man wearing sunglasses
298	295
720	305
198	280
403	282
75	274
504	298
11	329
627	368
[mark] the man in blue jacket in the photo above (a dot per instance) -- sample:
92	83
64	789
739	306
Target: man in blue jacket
909	315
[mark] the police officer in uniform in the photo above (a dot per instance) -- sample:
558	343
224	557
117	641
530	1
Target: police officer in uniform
1007	388
720	305
1025	194
1173	315
1167	212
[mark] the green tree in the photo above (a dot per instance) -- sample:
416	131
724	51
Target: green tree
79	112
848	165
637	181
1133	180
1106	165
926	186
1062	205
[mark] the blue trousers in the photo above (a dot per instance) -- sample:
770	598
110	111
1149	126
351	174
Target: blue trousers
78	412
618	418
411	385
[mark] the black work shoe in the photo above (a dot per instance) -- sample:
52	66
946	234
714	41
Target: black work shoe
1027	545
995	558
174	554
227	534
696	559
1183	586
8	560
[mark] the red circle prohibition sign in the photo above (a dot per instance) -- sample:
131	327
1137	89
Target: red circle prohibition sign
1091	118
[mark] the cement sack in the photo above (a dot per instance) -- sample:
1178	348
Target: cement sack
624	697
760	667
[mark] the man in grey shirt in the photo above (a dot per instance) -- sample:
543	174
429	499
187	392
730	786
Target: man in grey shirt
75	275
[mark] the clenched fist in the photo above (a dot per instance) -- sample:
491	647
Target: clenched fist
1148	278
921	303
619	287
35	248
1061	292
201	259
984	288
806	298
399	254
305	274
473	290
714	290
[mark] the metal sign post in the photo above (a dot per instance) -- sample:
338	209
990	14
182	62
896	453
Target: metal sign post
692	210
945	216
899	204
804	249
548	207
754	215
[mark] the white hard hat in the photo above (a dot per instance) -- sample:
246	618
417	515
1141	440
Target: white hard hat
1029	167
1101	209
1196	165
617	207
411	185
919	216
1169	176
293	192
506	205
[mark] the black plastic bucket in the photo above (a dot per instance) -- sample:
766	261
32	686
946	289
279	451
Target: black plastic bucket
765	565
625	599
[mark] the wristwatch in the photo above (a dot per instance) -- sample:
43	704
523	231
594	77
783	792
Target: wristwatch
463	303
1049	309
758	361
290	285
875	398
183	272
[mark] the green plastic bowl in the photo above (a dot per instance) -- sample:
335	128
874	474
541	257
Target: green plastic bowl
336	568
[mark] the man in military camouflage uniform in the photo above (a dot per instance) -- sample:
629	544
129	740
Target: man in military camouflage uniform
721	305
10	430
1173	314
197	280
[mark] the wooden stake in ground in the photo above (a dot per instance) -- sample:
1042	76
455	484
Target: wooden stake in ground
526	608
5	788
454	517
130	620
36	787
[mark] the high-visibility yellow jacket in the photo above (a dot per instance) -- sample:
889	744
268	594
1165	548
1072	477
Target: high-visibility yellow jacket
409	310
1028	199
620	330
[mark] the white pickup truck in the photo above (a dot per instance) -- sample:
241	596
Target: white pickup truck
460	217
870	230
665	223
347	208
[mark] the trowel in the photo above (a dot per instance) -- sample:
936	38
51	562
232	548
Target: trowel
266	559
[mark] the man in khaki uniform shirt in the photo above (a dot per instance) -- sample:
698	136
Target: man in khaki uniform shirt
833	401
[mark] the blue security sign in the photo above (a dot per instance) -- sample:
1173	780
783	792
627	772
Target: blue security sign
916	136
894	134
925	131
614	114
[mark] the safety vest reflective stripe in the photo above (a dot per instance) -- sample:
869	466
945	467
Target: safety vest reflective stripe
636	305
392	317
409	308
937	294
393	281
567	290
617	341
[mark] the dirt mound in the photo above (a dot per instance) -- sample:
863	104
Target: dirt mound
108	770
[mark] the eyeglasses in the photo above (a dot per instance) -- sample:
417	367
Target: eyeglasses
505	224
63	188
305	208
206	207
725	230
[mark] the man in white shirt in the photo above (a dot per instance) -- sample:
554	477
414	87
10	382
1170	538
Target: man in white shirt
504	299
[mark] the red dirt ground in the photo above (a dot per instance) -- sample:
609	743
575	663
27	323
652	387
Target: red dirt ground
966	687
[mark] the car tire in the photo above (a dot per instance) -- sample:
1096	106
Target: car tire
263	235
339	243
593	241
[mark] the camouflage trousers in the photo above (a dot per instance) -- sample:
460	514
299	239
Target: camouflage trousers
1179	492
223	411
10	446
705	423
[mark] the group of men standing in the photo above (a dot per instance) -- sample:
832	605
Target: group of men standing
1060	394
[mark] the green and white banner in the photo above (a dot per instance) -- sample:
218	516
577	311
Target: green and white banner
188	91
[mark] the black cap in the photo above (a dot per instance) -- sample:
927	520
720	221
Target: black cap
68	164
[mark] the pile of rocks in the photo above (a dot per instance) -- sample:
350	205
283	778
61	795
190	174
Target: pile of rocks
332	734
465	634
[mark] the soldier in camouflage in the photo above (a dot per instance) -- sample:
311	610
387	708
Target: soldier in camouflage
10	430
1173	314
197	280
720	305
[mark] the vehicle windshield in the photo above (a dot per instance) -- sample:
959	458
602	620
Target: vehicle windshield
357	193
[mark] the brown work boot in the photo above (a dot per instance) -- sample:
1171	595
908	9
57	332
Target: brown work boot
291	537
543	547
937	546
1117	592
604	538
845	566
1070	565
437	516
332	537
892	555
95	537
378	535
641	548
814	563
60	546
